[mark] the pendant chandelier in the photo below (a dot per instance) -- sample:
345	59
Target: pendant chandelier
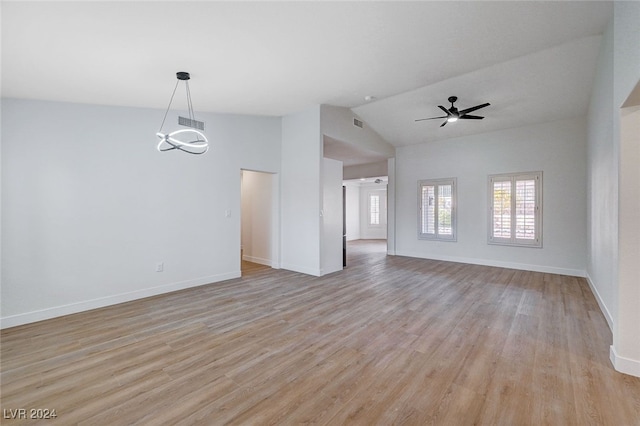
192	140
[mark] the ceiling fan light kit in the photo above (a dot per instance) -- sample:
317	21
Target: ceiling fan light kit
453	114
196	142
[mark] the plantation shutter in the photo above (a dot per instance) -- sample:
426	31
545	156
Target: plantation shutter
436	209
445	203
515	209
428	210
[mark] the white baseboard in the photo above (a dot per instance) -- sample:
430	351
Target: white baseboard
73	308
624	365
301	269
498	263
258	260
603	307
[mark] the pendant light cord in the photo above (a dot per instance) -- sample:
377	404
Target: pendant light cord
190	105
169	106
192	116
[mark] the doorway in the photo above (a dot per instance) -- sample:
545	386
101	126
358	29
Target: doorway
258	221
366	211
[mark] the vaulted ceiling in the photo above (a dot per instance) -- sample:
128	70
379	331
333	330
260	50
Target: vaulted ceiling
533	61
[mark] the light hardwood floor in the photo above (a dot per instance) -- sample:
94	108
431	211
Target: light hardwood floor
389	340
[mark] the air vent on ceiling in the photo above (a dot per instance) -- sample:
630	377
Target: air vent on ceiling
358	123
194	124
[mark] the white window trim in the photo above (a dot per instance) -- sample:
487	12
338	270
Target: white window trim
454	222
513	241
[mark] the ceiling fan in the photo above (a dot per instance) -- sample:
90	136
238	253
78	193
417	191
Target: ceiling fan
453	114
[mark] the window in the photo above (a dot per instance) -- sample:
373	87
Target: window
515	209
437	209
374	209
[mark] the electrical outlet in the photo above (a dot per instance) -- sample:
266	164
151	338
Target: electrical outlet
159	266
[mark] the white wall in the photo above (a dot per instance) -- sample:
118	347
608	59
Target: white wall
618	73
602	185
332	218
352	211
391	207
301	194
558	149
368	170
627	337
257	217
625	351
89	206
337	122
626	332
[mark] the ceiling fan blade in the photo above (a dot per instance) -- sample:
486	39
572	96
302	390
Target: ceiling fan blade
470	117
446	111
477	107
444	124
430	118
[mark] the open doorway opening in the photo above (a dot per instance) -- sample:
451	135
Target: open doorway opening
258	221
366	213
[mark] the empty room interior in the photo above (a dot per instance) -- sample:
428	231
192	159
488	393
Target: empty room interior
320	212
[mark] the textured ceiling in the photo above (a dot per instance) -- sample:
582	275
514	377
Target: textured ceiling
549	85
533	61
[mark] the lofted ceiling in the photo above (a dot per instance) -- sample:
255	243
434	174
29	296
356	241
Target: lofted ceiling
533	61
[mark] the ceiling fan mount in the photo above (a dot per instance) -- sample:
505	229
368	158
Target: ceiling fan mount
453	114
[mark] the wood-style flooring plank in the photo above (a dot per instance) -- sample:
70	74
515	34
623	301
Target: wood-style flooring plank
390	340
